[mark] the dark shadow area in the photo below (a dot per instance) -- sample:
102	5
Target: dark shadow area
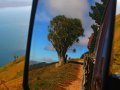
114	82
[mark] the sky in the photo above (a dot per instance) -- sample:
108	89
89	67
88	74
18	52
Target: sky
118	7
14	25
41	49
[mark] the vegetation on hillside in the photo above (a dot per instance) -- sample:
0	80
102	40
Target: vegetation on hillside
116	47
11	75
51	78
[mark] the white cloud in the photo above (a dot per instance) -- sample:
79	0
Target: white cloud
46	59
118	7
83	41
98	1
70	8
50	48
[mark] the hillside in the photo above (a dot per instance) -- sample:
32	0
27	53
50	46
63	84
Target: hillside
116	47
50	77
11	75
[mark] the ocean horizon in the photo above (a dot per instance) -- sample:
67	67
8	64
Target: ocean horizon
9	57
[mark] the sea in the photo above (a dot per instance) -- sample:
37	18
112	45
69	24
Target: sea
8	57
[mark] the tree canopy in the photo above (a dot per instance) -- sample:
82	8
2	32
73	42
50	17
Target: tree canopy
63	33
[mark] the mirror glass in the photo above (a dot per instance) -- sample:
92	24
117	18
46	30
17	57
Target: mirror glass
61	31
14	25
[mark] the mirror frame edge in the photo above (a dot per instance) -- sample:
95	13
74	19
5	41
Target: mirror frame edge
27	56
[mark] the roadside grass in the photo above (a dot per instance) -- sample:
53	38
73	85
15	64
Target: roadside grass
50	77
12	74
116	47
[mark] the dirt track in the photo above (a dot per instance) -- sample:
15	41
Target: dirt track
76	85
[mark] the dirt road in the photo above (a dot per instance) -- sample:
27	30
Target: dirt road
76	85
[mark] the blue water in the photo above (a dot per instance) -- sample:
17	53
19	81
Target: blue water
14	25
8	57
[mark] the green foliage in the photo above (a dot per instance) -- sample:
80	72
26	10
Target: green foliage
98	11
63	32
97	15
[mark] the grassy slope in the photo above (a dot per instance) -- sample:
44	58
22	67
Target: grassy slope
11	75
51	77
116	47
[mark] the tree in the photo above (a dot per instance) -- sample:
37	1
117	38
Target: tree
97	15
63	33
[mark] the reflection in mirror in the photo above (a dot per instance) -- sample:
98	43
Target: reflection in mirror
59	42
14	25
115	58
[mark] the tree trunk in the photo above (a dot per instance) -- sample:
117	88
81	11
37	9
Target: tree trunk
62	59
